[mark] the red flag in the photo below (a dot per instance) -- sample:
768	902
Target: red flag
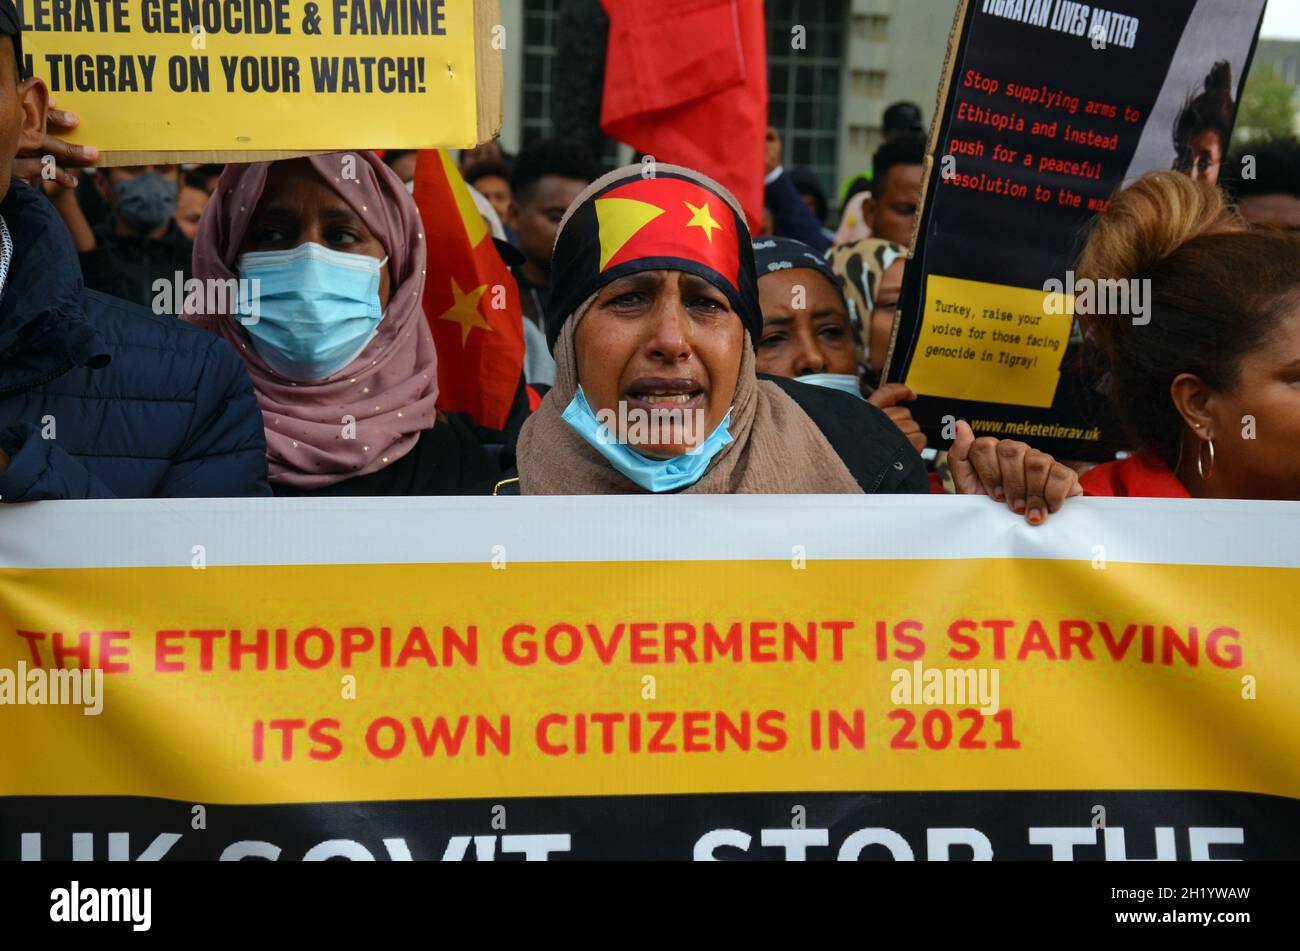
686	82
470	298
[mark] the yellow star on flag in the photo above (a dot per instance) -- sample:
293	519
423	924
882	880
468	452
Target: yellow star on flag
702	218
464	310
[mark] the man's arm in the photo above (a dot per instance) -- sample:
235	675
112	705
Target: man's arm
33	469
224	455
65	203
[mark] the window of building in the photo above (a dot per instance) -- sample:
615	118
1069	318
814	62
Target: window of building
539	53
541	19
804	84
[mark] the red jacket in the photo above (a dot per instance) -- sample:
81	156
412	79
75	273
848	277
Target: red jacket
1136	476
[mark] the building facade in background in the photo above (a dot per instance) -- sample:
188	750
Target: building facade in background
828	83
894	50
1284	57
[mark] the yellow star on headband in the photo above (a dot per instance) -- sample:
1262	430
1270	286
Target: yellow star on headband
701	218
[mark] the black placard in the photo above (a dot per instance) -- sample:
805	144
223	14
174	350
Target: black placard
1046	110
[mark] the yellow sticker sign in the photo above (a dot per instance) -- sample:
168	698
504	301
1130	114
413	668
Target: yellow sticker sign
989	342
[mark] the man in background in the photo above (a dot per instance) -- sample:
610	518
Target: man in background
1270	198
492	180
896	187
548	175
793	215
901	118
99	398
140	242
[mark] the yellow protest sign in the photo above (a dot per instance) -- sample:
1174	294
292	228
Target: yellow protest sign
423	659
989	342
221	76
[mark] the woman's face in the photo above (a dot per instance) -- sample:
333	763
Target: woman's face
189	209
883	310
664	343
806	326
1206	154
1256	426
297	207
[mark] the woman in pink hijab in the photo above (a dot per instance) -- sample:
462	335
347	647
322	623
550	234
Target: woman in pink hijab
328	255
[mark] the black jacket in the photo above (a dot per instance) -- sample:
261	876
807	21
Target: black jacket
101	399
447	459
127	266
873	449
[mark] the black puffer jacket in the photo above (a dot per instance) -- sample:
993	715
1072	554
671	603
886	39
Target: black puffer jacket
102	399
874	450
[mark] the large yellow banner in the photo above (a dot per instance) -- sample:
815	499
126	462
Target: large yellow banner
487	672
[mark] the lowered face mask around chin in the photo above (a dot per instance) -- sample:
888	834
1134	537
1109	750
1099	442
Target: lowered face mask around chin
653	475
310	310
845	382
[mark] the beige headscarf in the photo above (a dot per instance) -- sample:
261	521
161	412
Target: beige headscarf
776	447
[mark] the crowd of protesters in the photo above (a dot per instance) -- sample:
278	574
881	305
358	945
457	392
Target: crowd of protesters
777	341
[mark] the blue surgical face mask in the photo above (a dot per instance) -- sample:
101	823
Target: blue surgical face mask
846	382
146	201
653	475
310	311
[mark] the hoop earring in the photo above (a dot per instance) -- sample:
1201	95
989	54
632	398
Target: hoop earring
1200	469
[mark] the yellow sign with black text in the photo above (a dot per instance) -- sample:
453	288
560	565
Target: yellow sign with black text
265	75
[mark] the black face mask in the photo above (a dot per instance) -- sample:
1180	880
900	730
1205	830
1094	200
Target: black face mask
146	201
